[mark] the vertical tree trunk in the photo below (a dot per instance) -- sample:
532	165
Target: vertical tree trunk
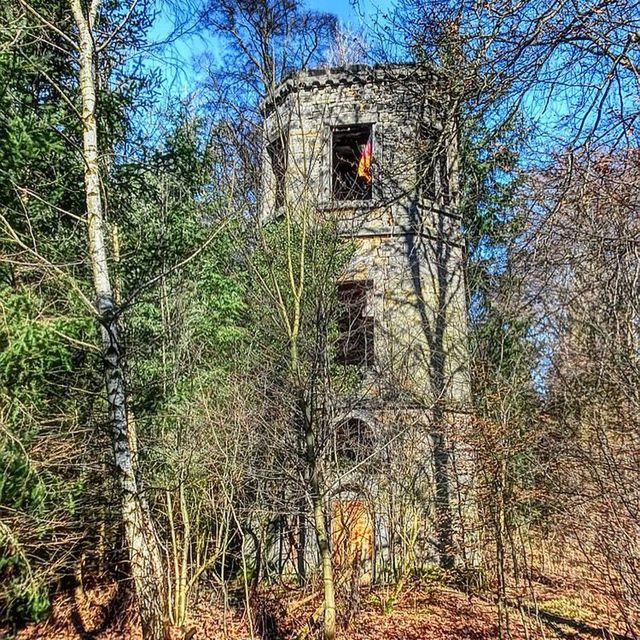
319	522
144	556
302	541
444	523
441	456
438	359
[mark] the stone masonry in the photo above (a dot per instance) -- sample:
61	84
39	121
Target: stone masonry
406	232
407	244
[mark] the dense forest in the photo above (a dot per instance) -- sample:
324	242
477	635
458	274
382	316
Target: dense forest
184	364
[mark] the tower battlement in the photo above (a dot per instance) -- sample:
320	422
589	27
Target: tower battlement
352	75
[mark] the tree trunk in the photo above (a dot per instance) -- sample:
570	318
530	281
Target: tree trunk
320	525
302	541
144	556
443	501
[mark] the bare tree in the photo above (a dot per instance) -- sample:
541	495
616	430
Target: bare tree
582	242
83	32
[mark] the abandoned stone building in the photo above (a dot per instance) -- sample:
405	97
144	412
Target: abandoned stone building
372	148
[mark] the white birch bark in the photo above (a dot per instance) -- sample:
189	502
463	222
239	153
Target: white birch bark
144	556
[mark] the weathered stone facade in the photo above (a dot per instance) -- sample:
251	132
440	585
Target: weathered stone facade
406	236
408	245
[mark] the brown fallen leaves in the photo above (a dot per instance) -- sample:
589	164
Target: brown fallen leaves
421	612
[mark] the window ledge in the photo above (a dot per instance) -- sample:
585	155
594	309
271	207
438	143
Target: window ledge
339	205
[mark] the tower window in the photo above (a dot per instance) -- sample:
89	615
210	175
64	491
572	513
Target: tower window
352	156
355	323
277	151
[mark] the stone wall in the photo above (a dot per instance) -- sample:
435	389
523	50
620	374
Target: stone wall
407	244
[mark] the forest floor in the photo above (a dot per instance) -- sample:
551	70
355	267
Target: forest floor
420	611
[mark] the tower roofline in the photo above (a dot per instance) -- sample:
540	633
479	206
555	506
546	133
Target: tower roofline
349	75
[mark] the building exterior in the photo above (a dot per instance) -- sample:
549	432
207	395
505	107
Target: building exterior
372	148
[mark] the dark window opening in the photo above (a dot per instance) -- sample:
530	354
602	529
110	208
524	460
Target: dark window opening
353	440
352	157
277	150
355	323
434	180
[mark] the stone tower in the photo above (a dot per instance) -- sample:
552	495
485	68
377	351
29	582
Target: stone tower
373	147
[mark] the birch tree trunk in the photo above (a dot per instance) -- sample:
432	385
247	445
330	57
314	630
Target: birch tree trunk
142	545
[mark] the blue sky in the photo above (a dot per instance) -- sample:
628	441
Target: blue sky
342	8
180	59
347	11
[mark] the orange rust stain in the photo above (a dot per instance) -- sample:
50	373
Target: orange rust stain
351	532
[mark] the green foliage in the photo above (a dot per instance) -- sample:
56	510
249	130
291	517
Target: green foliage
28	596
33	346
183	283
37	363
489	159
187	325
48	371
20	487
